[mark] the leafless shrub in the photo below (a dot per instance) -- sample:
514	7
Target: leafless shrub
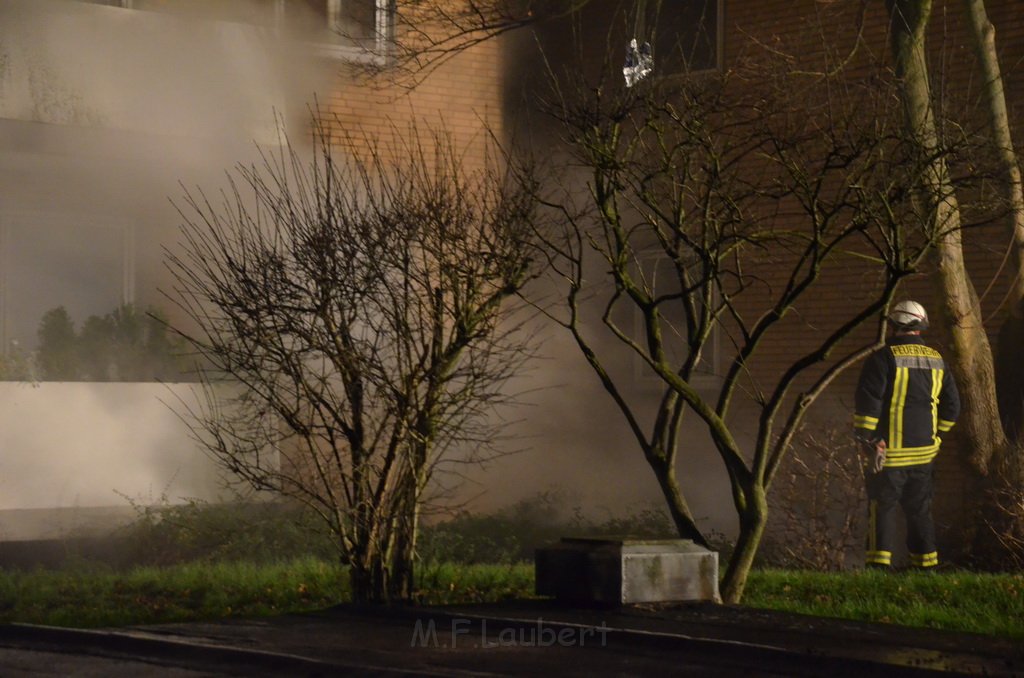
359	310
816	502
1003	522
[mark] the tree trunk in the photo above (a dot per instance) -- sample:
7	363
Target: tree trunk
368	582
971	358
984	35
1004	497
1010	384
387	579
679	510
370	563
401	584
753	516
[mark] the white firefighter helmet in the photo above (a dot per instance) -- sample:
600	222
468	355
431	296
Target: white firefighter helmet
909	315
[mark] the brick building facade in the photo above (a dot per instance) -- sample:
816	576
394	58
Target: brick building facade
857	34
105	106
854	36
108	109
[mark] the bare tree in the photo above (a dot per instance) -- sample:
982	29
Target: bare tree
817	499
714	208
993	455
424	34
983	35
1003	500
971	355
353	316
428	33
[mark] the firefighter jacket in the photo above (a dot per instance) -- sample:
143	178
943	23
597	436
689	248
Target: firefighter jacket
906	397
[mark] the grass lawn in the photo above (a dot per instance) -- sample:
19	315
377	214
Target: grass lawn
85	596
992	604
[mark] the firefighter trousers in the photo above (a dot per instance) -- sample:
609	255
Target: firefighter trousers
911	489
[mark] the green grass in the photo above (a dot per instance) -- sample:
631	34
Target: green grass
85	597
91	596
991	604
450	583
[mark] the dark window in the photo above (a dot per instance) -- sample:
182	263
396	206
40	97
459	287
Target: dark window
358	18
346	22
683	34
53	261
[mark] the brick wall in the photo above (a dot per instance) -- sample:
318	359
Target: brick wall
805	30
463	97
801	29
468	94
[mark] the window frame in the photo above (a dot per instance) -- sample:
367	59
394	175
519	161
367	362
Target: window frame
384	29
706	373
384	32
719	45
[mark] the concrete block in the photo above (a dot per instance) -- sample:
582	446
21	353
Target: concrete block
621	571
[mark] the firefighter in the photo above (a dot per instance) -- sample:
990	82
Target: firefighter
905	399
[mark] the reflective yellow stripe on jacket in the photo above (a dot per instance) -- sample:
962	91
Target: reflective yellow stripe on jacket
899	398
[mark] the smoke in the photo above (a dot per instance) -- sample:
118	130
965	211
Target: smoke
572	439
165	75
104	114
103	111
94	443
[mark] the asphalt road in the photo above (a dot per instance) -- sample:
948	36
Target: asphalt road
511	639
